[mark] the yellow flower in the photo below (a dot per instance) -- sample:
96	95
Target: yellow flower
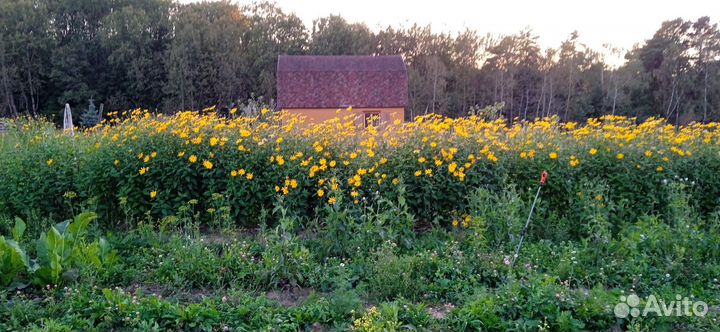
208	164
320	193
249	176
181	154
648	153
293	183
593	151
418	173
50	162
244	133
620	156
153	194
333	163
116	162
428	172
553	155
280	160
214	141
452	167
660	169
233	173
192	159
143	170
332	200
574	162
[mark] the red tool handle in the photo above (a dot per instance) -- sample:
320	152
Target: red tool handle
543	178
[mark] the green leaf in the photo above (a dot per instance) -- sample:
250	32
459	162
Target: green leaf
92	254
13	261
56	242
79	225
62	227
18	255
50	251
18	230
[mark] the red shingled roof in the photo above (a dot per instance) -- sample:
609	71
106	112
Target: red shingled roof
341	81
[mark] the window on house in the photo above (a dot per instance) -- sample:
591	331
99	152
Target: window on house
372	118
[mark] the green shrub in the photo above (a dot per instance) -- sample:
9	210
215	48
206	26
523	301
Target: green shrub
348	227
13	259
479	314
63	253
285	260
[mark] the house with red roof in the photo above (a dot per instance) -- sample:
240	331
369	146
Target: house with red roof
373	87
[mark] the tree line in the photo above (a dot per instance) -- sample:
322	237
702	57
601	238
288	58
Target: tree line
166	56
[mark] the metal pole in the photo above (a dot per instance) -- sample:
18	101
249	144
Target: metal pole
543	179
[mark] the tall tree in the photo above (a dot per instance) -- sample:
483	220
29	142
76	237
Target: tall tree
25	45
78	62
271	32
705	40
333	35
203	61
136	37
665	57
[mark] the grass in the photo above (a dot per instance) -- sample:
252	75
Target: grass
283	279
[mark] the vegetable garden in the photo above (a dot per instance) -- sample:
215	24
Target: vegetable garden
196	221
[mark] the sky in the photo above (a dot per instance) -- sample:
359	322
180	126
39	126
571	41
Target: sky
621	23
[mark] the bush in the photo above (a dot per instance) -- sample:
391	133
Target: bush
63	254
141	164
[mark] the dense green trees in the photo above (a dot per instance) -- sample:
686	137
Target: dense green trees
167	56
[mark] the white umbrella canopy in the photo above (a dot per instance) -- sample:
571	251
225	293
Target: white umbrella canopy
68	126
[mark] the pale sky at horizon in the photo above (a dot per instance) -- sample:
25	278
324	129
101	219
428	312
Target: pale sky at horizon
621	23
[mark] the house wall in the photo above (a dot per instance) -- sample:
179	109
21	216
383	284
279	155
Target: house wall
318	115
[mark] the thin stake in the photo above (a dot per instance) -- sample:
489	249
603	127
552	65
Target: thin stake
543	179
